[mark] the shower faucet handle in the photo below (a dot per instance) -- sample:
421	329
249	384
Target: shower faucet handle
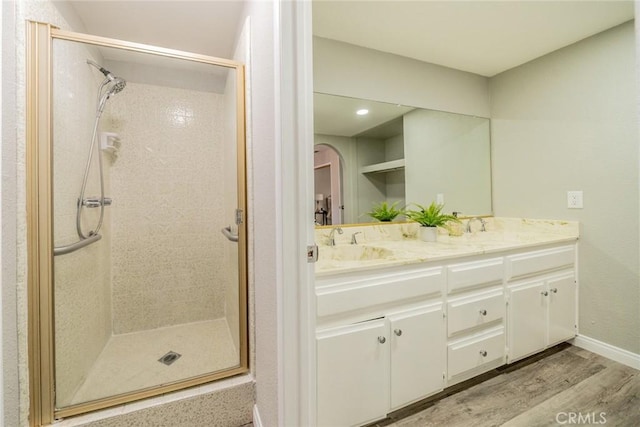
95	202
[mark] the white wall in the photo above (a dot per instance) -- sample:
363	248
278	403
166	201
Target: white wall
568	121
348	70
263	210
2	7
8	189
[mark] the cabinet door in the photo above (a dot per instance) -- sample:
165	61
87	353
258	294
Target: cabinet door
562	308
527	319
353	374
417	354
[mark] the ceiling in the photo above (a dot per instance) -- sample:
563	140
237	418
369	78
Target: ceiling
204	27
481	37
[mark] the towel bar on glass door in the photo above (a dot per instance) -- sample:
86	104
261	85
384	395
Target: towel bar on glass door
229	234
61	250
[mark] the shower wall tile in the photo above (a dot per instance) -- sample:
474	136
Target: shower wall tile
167	187
82	291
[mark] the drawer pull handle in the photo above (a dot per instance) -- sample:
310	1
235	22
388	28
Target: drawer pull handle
554	290
398	332
483	353
382	340
483	312
544	293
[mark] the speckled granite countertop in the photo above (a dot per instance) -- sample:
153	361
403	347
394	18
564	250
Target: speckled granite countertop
389	245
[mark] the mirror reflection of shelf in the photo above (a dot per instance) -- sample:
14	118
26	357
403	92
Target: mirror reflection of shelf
390	166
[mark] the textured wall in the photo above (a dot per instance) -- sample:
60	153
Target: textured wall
83	278
568	121
167	187
264	229
227	403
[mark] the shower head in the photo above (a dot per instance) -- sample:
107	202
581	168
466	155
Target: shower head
119	83
114	85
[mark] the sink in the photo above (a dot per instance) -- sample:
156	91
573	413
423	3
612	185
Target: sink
354	253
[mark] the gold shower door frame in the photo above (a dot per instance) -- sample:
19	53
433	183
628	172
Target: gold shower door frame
39	147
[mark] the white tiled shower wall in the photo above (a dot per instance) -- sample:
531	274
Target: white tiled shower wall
82	278
168	191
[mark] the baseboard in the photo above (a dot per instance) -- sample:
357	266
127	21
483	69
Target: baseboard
607	350
257	422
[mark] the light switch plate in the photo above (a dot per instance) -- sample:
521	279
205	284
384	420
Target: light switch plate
574	199
440	199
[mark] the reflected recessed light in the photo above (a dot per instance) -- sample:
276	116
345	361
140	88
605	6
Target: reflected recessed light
362	112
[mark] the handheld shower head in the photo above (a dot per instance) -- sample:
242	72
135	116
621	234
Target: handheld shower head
114	85
119	83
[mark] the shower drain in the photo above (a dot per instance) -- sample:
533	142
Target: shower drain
169	358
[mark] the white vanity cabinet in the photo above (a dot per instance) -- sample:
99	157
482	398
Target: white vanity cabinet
392	336
542	300
417	354
542	313
475	313
381	343
353	374
367	369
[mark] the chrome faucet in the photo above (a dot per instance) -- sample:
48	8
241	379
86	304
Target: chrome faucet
354	241
482	222
332	239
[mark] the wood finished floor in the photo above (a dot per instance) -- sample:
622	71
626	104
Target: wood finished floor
541	391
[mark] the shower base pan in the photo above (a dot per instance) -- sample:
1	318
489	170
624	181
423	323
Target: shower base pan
132	361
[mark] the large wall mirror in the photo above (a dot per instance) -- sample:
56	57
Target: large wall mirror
367	152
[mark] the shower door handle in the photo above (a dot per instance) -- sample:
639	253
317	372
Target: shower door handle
229	234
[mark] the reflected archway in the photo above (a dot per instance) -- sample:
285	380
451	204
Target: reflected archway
328	190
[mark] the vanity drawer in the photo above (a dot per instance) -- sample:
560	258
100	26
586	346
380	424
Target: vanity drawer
475	310
471	353
529	263
471	274
362	293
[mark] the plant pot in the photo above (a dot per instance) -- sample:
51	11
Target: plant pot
428	234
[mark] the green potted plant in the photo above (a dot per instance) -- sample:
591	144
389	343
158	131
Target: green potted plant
385	212
430	218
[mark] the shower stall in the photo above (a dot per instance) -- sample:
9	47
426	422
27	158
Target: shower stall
137	238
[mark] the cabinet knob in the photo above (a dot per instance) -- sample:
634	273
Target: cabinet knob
483	312
544	293
483	353
398	332
382	340
554	290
